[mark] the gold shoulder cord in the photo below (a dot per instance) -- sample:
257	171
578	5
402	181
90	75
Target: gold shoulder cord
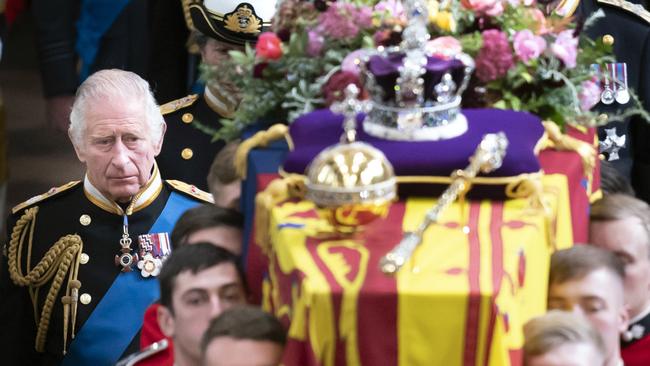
55	265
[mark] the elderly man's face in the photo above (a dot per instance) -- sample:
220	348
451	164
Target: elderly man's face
117	147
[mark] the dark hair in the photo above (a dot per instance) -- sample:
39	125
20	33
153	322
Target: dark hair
612	181
222	170
579	261
203	217
193	258
245	322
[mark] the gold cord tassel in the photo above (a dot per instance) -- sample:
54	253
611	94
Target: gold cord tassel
55	266
260	139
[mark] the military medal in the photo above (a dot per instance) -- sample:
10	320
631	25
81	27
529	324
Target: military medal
612	144
620	77
153	249
125	258
607	96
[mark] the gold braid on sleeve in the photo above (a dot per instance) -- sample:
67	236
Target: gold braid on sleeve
60	261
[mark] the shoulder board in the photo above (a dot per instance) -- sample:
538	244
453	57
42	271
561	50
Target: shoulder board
636	9
566	8
52	192
190	190
177	104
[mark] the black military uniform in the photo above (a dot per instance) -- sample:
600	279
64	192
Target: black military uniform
187	151
78	209
626	26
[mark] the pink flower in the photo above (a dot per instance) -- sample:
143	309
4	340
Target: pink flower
315	43
540	18
344	20
495	57
492	8
528	46
393	7
268	46
589	95
351	62
565	48
445	47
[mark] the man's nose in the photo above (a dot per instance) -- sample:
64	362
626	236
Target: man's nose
217	306
120	154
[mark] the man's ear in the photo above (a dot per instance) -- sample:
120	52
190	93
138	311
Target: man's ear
166	321
158	145
77	149
624	318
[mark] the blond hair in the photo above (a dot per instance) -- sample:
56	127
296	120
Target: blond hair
556	328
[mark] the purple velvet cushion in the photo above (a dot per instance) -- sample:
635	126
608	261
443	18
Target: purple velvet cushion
386	72
315	131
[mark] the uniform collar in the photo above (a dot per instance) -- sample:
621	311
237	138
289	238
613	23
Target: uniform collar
143	198
218	102
641	315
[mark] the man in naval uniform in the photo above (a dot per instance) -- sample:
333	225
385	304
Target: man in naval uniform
81	261
188	151
626	27
621	224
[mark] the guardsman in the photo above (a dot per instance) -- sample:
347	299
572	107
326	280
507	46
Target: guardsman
621	224
626	27
81	261
221	26
197	283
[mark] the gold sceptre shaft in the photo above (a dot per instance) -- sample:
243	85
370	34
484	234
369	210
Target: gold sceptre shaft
487	157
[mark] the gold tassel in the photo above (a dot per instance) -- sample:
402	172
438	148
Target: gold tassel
562	142
260	139
292	186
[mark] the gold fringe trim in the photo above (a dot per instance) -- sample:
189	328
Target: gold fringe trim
260	139
291	186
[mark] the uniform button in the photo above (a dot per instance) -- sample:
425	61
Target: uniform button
187	118
84	258
608	39
85	299
85	220
601	156
187	153
603	117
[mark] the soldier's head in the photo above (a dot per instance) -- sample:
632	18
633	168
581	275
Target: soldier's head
209	223
197	283
243	336
117	130
588	281
559	338
223	181
214	51
621	224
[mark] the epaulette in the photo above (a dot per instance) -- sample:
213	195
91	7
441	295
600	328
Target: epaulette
636	9
52	192
566	8
177	104
190	190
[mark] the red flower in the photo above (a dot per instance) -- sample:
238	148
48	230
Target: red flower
333	89
269	46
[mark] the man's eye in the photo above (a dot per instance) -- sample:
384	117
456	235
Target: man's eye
196	300
593	306
131	139
103	142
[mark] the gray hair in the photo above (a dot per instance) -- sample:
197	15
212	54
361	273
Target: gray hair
110	84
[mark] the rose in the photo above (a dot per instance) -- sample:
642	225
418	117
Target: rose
269	46
589	95
528	46
445	47
315	42
565	48
334	89
492	8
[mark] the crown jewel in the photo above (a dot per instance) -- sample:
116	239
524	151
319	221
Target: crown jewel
415	95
